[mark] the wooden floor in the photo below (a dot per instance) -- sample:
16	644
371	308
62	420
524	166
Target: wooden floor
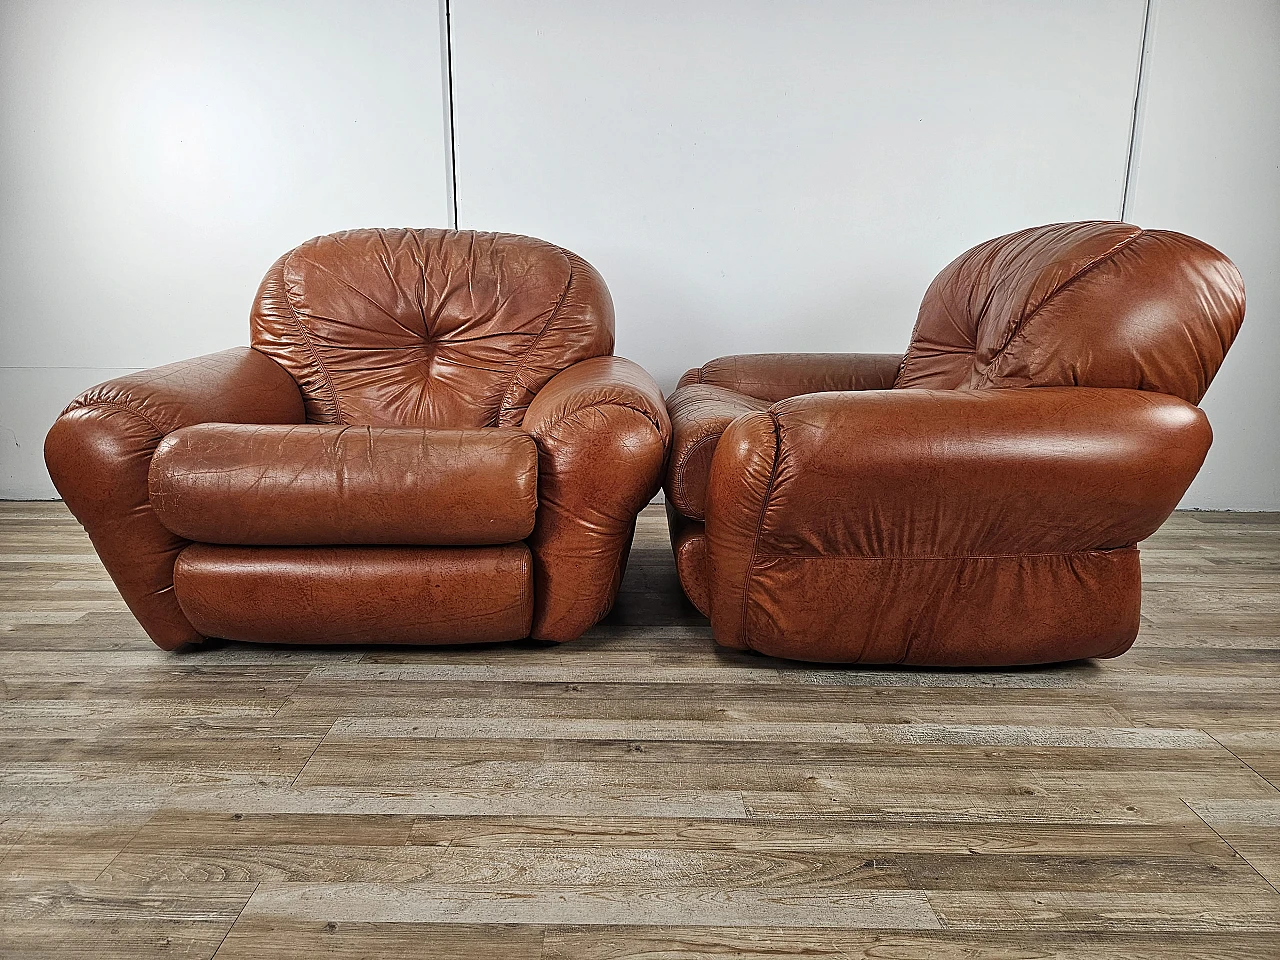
638	793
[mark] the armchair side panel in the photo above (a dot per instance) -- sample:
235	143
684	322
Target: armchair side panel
603	434
99	454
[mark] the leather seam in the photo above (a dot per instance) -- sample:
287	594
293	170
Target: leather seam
524	357
987	375
526	562
124	407
764	508
758	558
678	493
306	338
552	424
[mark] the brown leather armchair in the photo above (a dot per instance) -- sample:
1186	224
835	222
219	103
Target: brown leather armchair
930	509
428	442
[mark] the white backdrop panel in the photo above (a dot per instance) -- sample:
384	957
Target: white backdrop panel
755	176
156	157
1209	165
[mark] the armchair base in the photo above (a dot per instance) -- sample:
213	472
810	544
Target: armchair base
936	611
945	611
357	594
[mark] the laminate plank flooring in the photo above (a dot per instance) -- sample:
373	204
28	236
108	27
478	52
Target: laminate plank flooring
638	793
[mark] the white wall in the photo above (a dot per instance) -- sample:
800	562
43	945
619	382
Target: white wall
1208	163
753	176
747	174
156	157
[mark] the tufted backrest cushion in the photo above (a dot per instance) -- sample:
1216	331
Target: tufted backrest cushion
1098	304
428	328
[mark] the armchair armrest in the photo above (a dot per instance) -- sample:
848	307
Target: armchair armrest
940	474
99	453
777	376
711	397
700	414
603	434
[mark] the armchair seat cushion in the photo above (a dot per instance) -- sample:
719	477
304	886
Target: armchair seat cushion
326	485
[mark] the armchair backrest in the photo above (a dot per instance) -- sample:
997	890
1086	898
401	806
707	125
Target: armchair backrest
1099	303
430	328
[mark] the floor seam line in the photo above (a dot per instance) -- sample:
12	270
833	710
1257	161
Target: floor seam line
1231	846
133	836
1241	759
311	755
239	914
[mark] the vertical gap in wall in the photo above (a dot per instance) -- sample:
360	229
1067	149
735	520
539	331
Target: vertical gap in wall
1139	90
446	68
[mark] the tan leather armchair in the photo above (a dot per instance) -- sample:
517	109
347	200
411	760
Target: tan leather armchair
428	442
979	500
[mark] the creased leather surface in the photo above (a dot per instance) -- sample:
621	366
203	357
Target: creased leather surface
689	543
99	452
357	594
776	376
950	612
700	412
939	497
1098	304
742	476
942	473
328	485
429	328
603	434
711	397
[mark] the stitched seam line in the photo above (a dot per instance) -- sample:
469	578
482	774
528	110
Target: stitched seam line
306	338
679	493
987	374
907	357
764	507
526	561
524	358
974	556
118	405
551	424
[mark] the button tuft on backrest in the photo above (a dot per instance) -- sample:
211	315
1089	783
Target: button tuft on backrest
431	328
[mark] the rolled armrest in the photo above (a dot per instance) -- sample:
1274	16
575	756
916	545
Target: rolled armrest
700	412
603	434
323	484
99	453
927	474
711	397
777	376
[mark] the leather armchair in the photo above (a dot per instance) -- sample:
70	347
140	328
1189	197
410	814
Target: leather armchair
427	442
977	501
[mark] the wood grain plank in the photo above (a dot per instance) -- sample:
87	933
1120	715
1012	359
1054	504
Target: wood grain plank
638	792
426	903
700	943
254	938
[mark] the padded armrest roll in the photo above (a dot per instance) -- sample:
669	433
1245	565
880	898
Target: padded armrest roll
323	485
603	434
700	412
777	376
959	472
711	397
